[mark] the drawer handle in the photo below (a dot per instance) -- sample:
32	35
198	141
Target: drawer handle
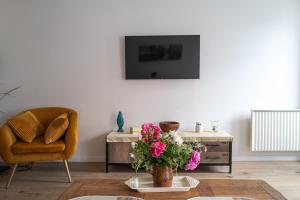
216	157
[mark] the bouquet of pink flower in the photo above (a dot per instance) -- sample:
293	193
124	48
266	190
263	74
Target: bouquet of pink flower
164	149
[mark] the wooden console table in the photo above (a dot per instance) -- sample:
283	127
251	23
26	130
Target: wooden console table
219	147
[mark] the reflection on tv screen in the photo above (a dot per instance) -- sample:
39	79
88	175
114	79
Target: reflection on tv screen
160	52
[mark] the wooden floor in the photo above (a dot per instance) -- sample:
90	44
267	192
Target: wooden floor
48	180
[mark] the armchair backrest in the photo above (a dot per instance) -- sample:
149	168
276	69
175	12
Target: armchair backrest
47	114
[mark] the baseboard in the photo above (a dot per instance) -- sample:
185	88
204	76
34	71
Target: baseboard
88	159
265	158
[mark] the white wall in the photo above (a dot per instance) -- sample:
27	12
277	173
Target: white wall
71	53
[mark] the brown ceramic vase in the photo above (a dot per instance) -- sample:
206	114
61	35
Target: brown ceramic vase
162	176
167	126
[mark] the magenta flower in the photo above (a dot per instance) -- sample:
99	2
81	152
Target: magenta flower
146	129
156	132
157	148
155	136
150	128
193	161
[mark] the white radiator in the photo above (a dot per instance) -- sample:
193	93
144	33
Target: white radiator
275	130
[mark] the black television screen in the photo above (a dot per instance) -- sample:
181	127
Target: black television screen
162	57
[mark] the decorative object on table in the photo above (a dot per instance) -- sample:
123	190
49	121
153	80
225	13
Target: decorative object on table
180	184
167	126
131	130
120	122
162	152
136	129
214	125
198	127
162	176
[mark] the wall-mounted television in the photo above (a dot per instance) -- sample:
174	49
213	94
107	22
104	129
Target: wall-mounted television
162	57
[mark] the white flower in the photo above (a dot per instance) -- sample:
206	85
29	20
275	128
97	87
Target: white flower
172	133
165	135
132	155
133	144
176	138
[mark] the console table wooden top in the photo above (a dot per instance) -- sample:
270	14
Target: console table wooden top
205	136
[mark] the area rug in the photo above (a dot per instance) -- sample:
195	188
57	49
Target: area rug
239	189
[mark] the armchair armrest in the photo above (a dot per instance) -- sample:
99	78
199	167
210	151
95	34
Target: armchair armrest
71	137
7	139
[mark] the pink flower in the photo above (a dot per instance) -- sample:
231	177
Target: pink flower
145	140
144	133
194	161
157	148
150	128
147	126
155	136
156	132
195	156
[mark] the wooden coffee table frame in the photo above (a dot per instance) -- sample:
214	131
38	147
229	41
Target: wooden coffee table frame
256	189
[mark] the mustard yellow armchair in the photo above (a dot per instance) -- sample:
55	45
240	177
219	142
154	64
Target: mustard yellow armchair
14	151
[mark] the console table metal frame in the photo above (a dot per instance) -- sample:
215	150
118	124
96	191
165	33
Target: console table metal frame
107	163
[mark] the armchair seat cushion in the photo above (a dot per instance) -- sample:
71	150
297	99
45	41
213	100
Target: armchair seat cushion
38	146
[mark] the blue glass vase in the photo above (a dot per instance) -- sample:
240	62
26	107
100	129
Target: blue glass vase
120	122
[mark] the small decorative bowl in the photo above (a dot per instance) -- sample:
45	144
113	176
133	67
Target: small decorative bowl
167	126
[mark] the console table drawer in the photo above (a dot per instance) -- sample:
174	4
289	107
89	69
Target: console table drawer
217	146
119	152
214	157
